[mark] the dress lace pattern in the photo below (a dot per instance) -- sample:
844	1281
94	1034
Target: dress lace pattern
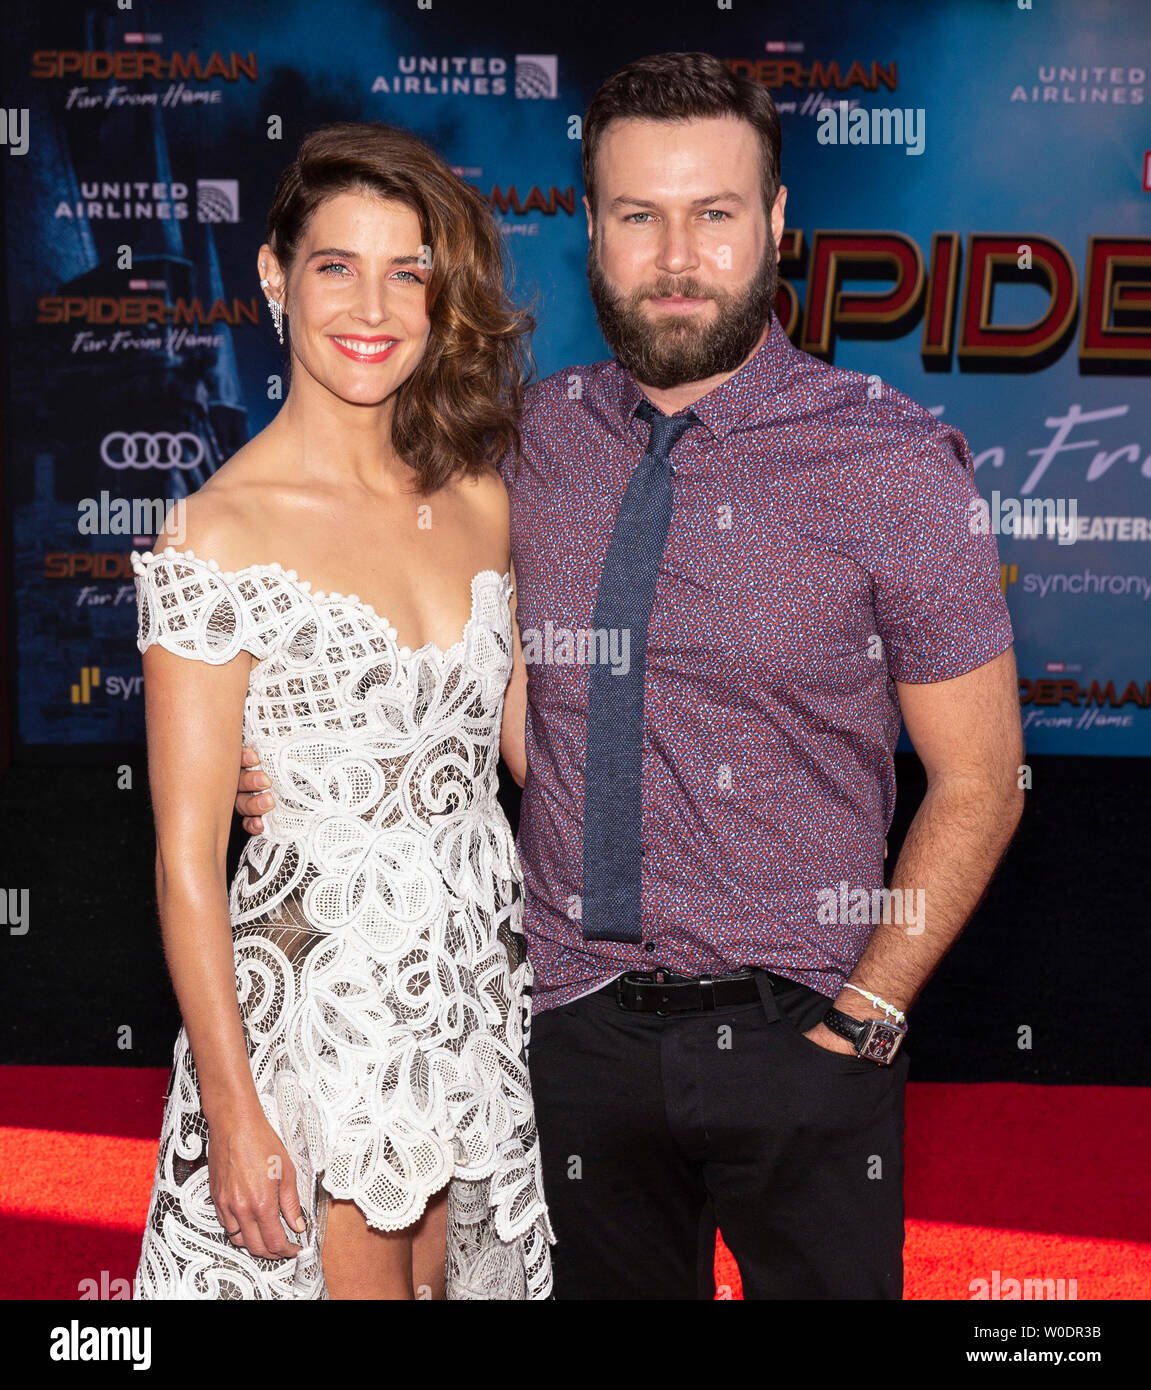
380	967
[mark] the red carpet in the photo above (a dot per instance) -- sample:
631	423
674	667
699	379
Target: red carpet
1035	1182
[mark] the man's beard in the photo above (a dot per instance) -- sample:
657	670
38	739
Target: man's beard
680	348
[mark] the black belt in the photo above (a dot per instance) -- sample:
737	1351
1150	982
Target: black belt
665	992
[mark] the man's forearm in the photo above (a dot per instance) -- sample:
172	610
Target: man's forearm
953	845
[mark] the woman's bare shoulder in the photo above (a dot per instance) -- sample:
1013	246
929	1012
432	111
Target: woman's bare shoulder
486	492
221	520
208	525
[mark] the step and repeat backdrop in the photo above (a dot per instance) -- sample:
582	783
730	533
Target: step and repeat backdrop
969	220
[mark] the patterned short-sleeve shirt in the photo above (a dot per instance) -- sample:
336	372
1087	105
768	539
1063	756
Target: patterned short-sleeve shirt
820	549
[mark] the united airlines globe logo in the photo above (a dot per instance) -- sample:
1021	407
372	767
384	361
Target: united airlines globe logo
536	75
218	200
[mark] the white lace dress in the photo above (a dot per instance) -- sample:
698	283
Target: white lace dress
380	968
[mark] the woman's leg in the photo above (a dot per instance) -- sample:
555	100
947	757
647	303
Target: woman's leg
429	1248
363	1263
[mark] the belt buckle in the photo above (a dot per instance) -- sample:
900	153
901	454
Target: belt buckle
704	982
671	977
626	978
706	985
642	977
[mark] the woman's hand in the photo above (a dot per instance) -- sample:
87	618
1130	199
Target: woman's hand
252	1180
252	795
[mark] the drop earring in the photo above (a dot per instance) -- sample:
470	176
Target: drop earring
277	314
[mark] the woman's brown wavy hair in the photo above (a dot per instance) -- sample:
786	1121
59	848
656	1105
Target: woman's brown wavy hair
459	410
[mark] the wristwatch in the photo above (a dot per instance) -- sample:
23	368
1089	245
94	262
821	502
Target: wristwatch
876	1040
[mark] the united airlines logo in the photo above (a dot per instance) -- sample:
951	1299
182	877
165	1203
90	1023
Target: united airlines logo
217	200
536	75
146	200
533	76
1078	84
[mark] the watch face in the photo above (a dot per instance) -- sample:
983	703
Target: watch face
882	1044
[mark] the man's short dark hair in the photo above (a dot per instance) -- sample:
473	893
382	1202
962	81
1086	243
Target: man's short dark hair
682	87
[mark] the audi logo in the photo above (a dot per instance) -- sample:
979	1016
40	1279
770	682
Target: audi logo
142	450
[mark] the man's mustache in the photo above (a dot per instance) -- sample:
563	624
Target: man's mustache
686	290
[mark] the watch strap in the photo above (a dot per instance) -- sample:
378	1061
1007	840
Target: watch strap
853	1029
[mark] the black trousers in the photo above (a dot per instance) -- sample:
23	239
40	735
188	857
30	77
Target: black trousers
653	1131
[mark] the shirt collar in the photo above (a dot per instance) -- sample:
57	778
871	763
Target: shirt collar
751	396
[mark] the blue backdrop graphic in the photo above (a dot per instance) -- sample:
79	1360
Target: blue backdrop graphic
140	349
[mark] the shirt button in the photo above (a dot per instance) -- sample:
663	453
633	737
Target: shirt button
649	945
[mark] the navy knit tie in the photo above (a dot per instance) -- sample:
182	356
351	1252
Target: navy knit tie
613	777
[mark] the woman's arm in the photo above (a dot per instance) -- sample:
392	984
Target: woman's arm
512	730
194	714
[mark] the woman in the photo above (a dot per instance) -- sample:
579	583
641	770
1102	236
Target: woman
349	1113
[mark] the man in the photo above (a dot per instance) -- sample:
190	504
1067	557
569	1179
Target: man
760	564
